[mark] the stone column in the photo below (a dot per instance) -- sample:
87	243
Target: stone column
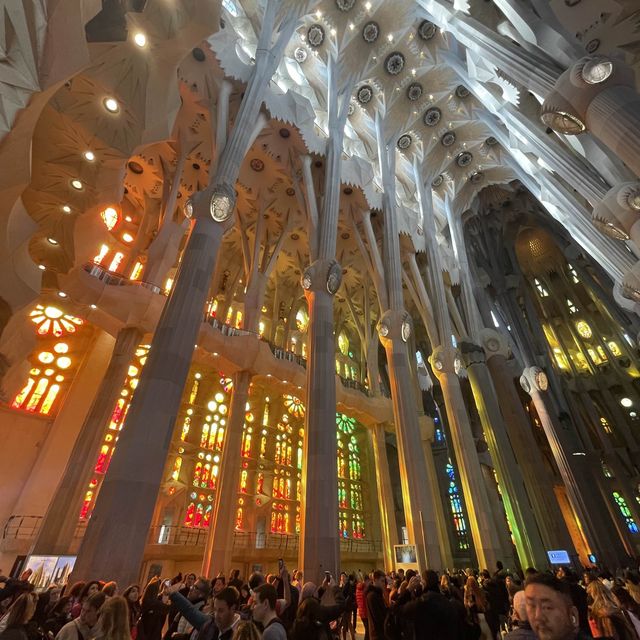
527	538
588	505
419	508
441	515
128	494
319	545
598	94
485	538
386	505
219	547
61	519
537	480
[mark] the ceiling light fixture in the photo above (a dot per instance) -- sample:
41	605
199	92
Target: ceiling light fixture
76	184
127	237
52	240
111	105
62	294
41	267
93	306
626	402
140	39
66	208
89	156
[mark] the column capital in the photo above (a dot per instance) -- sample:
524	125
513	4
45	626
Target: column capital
217	201
322	275
394	325
472	353
445	360
534	379
565	108
618	213
494	343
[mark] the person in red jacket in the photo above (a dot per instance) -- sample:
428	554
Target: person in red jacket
361	602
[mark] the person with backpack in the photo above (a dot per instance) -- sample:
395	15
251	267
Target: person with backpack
264	612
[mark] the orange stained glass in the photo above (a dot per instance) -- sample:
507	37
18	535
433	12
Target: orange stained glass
117	259
86	504
49	399
176	468
239	518
53	321
22	396
111	217
37	394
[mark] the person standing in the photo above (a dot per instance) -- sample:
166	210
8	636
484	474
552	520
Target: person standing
114	619
21	612
264	612
377	607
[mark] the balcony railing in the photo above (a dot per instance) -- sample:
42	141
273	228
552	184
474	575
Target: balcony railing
19	527
248	540
117	279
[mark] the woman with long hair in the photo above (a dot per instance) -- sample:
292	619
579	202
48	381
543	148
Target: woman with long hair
246	630
58	616
606	619
132	596
153	612
313	619
477	605
21	612
114	619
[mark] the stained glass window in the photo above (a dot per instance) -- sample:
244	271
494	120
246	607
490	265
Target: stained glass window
111	217
584	329
573	274
605	425
302	320
626	513
572	307
455	504
614	348
294	406
53	321
345	423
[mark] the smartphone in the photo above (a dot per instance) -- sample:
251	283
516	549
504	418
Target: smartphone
280	565
327	575
167	583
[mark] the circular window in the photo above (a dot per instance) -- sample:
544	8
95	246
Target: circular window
300	54
414	91
345	5
597	70
198	54
462	91
432	116
437	181
315	35
257	164
427	30
448	139
404	142
371	32
394	63
365	94
464	159
135	167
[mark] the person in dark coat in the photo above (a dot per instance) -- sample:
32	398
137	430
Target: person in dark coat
153	612
432	615
19	615
377	607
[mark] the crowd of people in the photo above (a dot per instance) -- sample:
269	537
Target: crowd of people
401	605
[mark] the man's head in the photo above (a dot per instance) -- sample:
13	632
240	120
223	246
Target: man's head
549	608
520	606
200	590
255	580
225	604
379	579
431	580
264	603
190	580
91	608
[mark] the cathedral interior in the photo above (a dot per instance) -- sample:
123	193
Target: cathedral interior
310	279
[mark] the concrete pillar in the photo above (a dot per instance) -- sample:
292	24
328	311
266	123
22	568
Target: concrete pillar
319	549
61	519
386	505
219	547
128	494
525	532
588	505
598	94
485	538
441	515
418	499
537	480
